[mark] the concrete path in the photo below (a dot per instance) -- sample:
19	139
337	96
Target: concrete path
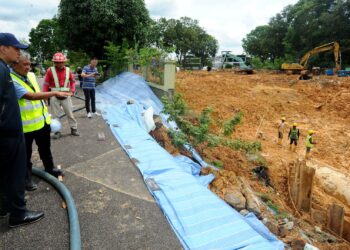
115	208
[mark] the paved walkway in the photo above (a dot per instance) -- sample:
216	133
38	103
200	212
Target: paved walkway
115	208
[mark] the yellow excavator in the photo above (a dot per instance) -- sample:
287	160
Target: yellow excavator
303	64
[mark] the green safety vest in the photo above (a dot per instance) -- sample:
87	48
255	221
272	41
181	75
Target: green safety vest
294	133
57	83
34	113
308	142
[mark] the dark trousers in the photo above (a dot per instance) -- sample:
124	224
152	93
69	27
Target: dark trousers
42	140
90	95
12	174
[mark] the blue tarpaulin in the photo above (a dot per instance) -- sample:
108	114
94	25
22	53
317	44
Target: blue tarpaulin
200	219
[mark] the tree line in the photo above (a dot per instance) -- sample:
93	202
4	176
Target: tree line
86	27
299	28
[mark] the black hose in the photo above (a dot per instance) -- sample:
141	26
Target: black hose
74	228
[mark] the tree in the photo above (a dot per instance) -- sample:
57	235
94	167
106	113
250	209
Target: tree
256	42
184	36
87	24
45	40
300	28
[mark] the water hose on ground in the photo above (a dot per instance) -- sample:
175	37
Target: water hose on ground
74	228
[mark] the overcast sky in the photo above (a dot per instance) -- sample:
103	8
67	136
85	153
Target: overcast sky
227	20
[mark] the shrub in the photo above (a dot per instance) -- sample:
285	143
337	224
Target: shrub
230	125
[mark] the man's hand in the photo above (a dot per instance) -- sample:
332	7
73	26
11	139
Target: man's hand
63	94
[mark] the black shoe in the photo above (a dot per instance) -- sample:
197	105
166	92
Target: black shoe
31	186
55	172
3	214
28	218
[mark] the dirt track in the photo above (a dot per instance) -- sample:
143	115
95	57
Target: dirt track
321	104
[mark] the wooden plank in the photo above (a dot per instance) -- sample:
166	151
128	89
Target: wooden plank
294	181
346	230
305	188
336	219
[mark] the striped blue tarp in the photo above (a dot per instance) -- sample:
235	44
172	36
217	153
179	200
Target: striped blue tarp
200	219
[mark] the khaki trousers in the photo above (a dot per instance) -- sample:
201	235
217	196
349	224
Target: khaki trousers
67	107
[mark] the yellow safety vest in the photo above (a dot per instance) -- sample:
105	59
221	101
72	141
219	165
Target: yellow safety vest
34	113
308	142
57	83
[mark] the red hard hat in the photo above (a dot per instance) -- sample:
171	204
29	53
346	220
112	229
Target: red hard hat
59	57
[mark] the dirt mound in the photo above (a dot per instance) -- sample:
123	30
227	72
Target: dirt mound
321	104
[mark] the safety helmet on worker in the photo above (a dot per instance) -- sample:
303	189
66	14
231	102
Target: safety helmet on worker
295	124
59	57
283	118
310	132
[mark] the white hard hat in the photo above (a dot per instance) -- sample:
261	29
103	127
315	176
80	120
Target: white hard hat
55	125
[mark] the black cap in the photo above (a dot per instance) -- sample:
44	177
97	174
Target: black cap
9	39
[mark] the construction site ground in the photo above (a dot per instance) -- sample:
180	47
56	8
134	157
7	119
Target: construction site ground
321	104
115	208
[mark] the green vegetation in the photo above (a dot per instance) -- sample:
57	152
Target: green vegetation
45	40
194	130
218	164
230	125
299	28
88	24
184	36
278	213
118	57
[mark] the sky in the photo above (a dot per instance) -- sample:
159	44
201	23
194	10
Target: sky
229	21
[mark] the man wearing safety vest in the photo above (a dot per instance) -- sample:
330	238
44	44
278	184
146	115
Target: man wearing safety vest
309	143
293	135
35	117
60	78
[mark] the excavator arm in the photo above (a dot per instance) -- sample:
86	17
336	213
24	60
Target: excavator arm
335	46
323	48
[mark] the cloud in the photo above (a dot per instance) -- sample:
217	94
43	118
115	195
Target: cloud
20	16
227	20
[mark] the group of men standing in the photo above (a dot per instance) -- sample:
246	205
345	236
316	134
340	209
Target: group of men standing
24	118
294	135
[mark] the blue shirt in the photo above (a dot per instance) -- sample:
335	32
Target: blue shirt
10	117
20	90
89	82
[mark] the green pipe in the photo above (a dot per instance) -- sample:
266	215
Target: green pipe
74	228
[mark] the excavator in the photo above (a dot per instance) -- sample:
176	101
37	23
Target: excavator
303	64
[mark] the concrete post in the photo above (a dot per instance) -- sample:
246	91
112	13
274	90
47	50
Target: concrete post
169	76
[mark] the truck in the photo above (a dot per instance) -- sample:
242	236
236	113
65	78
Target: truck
303	63
229	60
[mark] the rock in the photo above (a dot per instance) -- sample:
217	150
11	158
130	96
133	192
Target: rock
235	199
218	183
329	187
273	227
289	225
282	231
253	204
298	244
318	230
244	212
